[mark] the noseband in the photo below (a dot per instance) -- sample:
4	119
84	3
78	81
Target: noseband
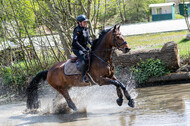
116	42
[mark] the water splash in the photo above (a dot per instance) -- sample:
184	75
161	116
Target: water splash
86	98
125	77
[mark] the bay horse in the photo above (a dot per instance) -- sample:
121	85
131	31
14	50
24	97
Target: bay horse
101	72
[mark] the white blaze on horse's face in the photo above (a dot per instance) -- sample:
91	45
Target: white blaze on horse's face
118	39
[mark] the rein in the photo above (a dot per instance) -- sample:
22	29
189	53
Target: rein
101	59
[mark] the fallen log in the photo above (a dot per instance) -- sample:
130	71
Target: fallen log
168	54
170	77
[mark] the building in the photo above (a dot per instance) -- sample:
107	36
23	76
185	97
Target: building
163	11
175	1
11	51
184	8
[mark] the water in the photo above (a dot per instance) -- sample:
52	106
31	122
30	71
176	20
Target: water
167	105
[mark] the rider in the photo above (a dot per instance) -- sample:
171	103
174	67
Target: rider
81	38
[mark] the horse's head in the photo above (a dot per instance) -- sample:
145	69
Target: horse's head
118	40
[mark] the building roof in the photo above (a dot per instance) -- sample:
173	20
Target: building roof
162	4
184	3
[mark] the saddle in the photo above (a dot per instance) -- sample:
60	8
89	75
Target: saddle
70	68
73	66
73	58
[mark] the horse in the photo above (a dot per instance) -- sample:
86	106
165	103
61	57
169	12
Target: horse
101	72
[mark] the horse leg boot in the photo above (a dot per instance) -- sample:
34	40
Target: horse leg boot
83	72
131	102
117	83
120	95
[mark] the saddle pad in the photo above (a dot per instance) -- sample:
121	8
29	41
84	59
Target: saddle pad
70	68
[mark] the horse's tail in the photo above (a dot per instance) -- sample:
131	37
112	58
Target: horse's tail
32	90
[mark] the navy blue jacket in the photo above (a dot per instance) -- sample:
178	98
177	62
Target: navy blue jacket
82	36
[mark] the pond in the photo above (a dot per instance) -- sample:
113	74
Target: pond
158	106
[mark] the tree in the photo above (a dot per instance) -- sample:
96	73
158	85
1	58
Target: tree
186	15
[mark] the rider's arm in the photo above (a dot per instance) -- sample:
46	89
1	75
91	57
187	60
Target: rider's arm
89	39
82	48
76	34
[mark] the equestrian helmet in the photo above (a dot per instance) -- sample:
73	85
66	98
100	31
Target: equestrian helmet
82	18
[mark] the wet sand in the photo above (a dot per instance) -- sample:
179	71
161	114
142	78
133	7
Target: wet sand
155	106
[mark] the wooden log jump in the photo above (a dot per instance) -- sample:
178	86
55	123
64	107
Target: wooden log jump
168	54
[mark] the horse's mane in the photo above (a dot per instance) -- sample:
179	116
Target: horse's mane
96	42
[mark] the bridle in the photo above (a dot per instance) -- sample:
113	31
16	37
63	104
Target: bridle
116	42
117	45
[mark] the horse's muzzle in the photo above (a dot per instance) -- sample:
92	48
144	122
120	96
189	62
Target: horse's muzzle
126	50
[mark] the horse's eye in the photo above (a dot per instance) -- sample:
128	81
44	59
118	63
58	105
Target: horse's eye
117	37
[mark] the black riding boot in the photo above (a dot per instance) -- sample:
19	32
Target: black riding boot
83	71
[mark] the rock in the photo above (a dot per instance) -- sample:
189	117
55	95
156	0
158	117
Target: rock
188	37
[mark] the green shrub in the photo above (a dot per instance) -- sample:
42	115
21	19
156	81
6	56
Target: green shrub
148	68
6	75
14	78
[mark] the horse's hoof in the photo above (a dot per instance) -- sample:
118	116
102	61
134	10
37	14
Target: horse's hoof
131	103
36	105
119	101
75	109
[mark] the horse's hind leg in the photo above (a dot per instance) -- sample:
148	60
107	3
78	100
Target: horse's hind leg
69	101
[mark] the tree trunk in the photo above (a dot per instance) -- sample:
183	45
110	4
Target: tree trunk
186	16
168	54
170	77
57	25
120	11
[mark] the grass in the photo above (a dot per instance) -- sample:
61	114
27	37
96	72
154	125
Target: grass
178	16
157	40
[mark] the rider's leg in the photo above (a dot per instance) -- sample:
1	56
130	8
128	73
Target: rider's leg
83	65
83	71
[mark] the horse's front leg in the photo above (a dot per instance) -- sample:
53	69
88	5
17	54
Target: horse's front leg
120	95
119	85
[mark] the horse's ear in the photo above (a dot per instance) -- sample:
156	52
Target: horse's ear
118	27
114	29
